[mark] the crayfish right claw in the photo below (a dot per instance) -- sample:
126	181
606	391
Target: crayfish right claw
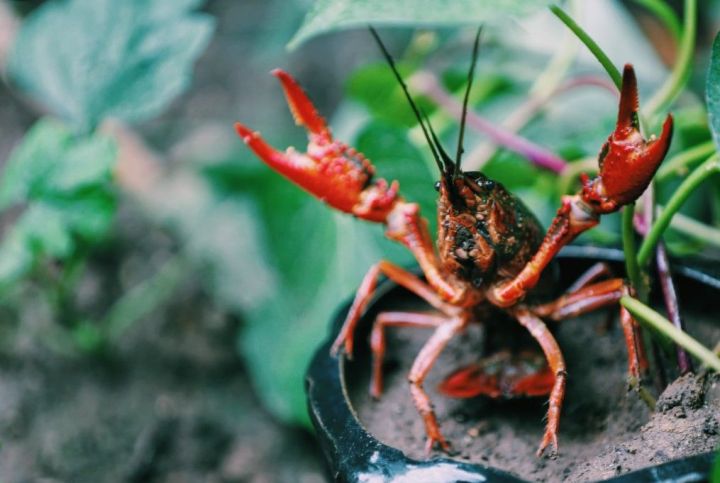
329	170
301	107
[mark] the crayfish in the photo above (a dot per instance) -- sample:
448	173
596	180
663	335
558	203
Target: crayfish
490	248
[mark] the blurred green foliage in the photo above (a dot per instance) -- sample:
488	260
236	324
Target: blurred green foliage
86	61
329	15
64	182
92	59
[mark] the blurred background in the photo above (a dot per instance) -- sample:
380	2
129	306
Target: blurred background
162	291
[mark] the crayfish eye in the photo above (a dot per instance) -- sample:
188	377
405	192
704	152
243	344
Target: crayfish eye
437	185
477	282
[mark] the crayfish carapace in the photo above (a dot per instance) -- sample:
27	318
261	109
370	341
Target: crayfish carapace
490	247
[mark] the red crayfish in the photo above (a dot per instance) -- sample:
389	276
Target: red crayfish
490	247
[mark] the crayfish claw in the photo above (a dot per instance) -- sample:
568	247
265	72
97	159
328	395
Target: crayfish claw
627	120
627	160
328	169
301	107
262	149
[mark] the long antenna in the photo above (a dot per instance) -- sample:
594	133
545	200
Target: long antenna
415	109
443	154
471	74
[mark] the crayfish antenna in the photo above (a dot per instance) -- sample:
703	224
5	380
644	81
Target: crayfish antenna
463	120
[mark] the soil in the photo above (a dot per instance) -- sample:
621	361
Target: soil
171	403
605	429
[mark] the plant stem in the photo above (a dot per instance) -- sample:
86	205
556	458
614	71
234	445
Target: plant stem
681	70
666	15
672	306
143	298
700	174
590	44
428	85
678	164
691	227
477	158
628	240
647	315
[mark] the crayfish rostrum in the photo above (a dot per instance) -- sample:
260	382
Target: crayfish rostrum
490	248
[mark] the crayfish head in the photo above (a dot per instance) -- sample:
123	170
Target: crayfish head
484	231
627	160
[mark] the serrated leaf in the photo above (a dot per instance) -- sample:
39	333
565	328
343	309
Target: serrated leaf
92	59
712	91
329	15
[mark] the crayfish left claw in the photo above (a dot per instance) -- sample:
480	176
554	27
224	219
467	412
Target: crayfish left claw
627	161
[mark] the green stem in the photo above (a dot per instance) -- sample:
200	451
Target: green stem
693	228
570	174
628	239
686	188
142	299
590	44
678	164
645	314
681	71
558	67
666	15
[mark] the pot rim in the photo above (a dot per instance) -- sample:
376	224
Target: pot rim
354	454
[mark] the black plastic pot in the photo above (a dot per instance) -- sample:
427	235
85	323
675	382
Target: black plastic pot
355	455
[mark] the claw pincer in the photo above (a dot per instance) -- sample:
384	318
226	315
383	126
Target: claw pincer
627	161
329	170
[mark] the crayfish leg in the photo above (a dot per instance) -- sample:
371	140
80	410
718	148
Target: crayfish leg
402	277
549	345
592	297
377	339
421	367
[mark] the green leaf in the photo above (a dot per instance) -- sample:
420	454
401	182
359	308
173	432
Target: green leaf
712	91
376	87
52	161
91	59
64	182
329	15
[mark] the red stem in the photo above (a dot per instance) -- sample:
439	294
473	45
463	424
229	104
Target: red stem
671	305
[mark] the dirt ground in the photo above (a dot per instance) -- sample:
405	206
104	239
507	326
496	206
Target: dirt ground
171	404
605	429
